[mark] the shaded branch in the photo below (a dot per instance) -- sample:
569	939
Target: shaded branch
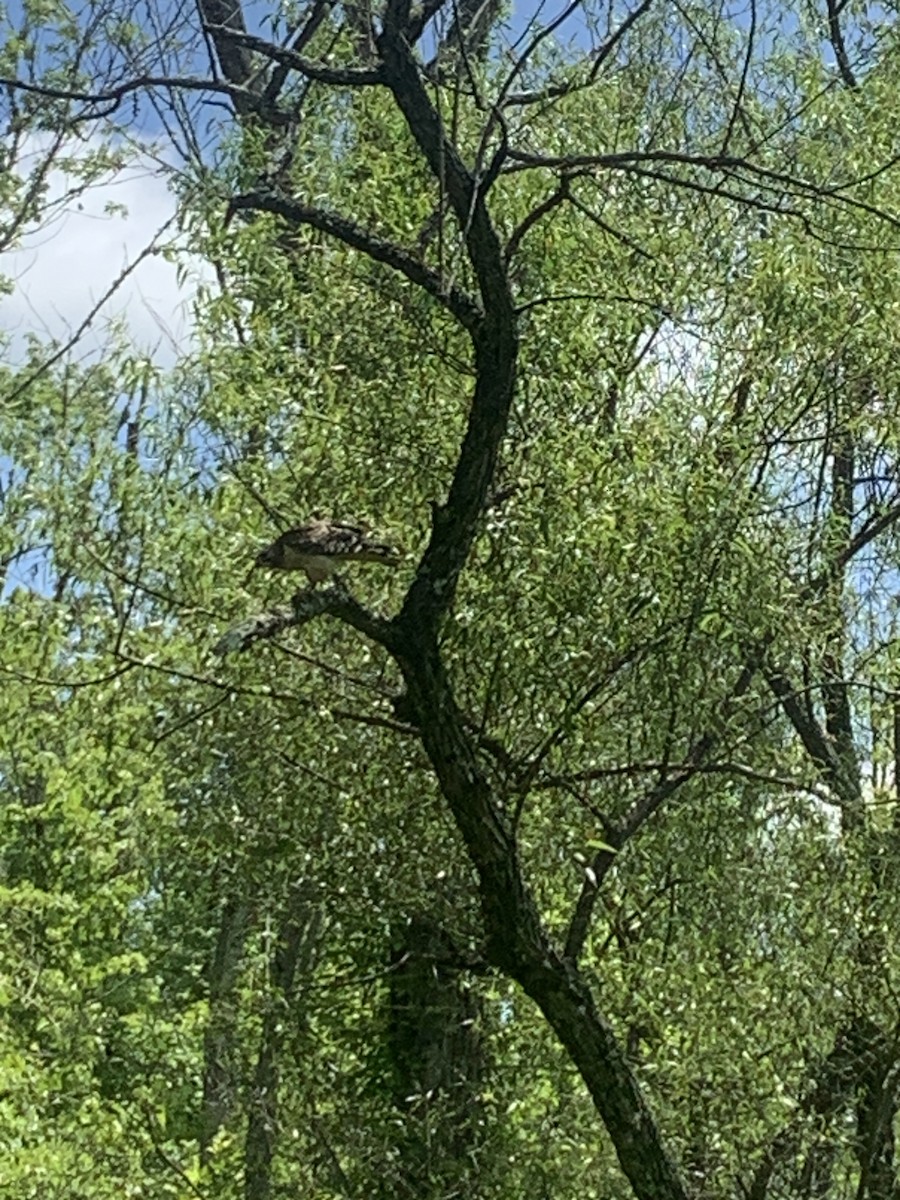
613	40
222	18
320	10
420	18
453	298
641	812
869	532
723	163
546	206
603	860
495	343
818	745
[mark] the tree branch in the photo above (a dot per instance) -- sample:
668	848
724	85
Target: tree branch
113	97
453	298
495	342
641	812
738	168
306	605
420	18
320	10
517	943
869	532
836	37
816	742
308	67
556	197
613	40
221	18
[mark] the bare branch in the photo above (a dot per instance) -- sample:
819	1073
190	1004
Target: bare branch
611	42
113	97
320	10
729	165
542	34
421	17
818	745
221	19
869	532
557	197
641	812
736	109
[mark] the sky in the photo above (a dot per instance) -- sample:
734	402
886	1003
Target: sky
61	272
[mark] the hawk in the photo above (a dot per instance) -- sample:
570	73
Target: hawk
321	546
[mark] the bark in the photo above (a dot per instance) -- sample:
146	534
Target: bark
835	694
235	60
861	1069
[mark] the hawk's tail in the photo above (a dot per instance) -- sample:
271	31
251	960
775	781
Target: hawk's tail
380	552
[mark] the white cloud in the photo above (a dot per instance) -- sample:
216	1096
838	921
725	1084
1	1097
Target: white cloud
60	272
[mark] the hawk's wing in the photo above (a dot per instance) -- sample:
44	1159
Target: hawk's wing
336	539
319	546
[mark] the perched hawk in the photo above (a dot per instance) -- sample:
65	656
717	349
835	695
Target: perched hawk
321	546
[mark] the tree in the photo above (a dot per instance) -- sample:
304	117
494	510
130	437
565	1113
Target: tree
629	639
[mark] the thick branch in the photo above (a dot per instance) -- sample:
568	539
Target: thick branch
836	37
220	1035
862	538
401	74
816	742
224	18
453	298
495	343
516	940
334	601
420	18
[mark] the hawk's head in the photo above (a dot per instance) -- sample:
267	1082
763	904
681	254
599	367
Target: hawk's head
272	556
